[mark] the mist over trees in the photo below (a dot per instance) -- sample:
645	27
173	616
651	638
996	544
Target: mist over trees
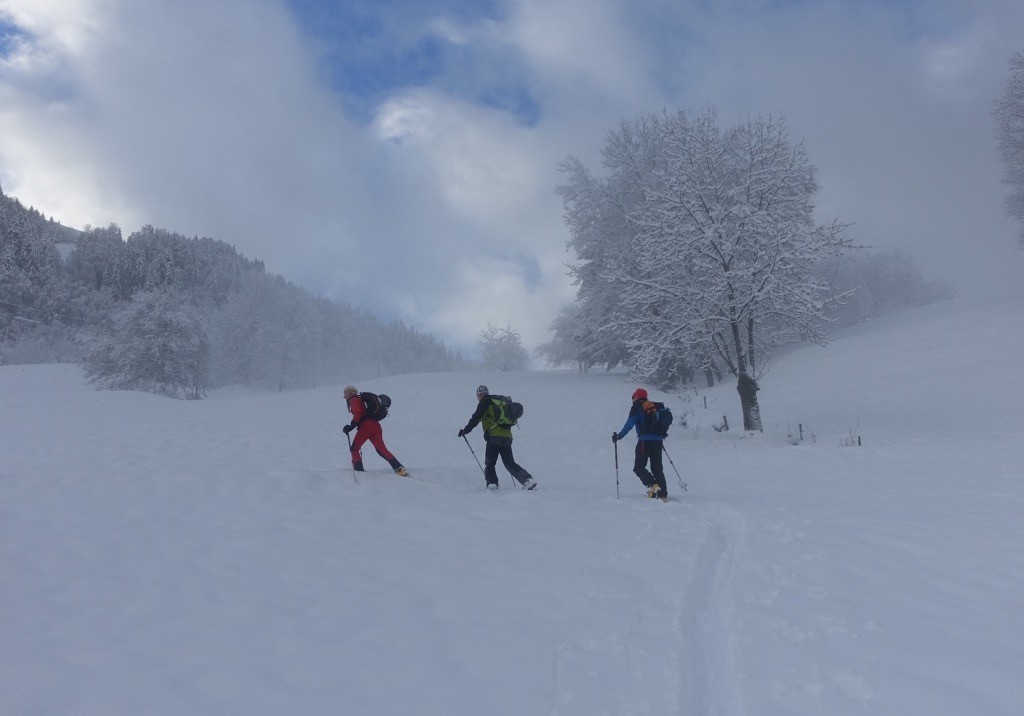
502	349
1009	118
178	316
697	251
875	284
568	346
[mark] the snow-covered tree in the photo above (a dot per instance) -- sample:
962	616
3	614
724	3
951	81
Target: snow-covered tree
95	253
597	213
26	249
503	349
291	336
156	343
1009	116
714	254
567	346
238	329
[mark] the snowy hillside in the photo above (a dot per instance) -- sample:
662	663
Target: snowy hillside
217	557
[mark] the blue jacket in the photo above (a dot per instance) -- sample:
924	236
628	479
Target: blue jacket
637	419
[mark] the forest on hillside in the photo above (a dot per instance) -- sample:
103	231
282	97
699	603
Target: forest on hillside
175	315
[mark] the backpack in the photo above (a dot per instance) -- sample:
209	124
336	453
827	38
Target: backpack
657	418
376	405
505	411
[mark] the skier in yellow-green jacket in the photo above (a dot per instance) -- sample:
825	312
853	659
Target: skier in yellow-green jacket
498	437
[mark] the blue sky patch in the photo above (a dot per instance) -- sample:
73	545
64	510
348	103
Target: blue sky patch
10	37
514	98
370	50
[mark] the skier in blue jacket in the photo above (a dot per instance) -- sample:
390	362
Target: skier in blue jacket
648	447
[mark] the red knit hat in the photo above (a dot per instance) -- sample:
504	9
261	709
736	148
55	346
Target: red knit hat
639	394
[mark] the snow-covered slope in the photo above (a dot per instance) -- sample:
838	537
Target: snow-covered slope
217	557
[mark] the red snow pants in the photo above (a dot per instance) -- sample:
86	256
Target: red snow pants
370	430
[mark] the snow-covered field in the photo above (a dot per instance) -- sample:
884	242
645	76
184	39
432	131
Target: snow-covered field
217	557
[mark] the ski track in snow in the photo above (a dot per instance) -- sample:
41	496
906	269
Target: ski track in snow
708	677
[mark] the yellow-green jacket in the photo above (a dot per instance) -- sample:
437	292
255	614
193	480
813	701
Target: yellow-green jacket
487	413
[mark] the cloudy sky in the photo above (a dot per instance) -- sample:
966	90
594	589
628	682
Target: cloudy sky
400	154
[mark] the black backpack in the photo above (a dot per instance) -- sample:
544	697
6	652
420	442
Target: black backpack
505	411
657	418
376	405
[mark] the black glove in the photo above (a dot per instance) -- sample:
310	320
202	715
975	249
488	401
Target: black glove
347	429
615	437
462	433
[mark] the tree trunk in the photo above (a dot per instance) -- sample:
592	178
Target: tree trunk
709	375
716	373
686	374
748	388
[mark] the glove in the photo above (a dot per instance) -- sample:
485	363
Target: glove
347	429
615	437
462	433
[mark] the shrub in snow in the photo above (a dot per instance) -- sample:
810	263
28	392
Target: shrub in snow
154	343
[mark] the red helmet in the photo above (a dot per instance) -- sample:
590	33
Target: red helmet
639	394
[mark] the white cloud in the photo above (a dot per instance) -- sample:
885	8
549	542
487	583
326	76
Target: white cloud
480	158
59	25
492	181
586	59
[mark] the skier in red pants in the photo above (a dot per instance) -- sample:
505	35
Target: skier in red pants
367	428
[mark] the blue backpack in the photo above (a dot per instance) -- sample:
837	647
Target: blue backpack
657	418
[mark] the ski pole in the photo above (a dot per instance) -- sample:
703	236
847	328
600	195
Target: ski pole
474	455
349	438
678	476
616	444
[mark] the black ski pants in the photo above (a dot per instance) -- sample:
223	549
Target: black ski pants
501	447
650	450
